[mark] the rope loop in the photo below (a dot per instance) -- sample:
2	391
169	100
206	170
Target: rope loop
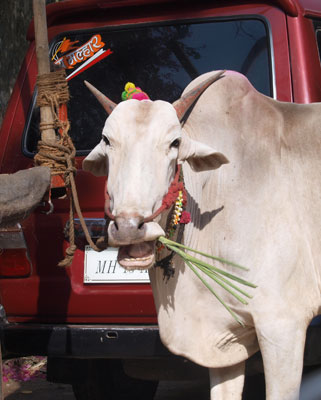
60	155
52	89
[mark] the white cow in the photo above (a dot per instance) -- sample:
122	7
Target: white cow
261	210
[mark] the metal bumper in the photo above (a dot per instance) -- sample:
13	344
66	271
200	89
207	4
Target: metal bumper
107	341
82	341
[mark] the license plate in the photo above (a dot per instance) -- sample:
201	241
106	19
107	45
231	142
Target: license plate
102	267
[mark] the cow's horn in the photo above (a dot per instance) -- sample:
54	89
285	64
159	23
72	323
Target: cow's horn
183	104
103	100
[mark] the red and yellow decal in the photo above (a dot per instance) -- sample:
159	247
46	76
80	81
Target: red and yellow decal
89	54
81	54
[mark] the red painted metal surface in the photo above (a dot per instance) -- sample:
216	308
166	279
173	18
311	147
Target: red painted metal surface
58	295
59	11
305	64
18	106
311	7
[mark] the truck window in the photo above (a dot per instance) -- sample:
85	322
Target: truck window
317	26
160	58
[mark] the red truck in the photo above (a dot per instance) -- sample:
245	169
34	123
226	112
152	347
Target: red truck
93	320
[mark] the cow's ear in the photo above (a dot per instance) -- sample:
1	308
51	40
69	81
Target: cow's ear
96	162
200	156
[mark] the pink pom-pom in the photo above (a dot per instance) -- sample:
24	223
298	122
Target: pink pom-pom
140	96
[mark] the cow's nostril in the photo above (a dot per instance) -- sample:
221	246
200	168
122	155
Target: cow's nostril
116	225
141	225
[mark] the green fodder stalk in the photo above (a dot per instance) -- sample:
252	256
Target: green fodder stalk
223	278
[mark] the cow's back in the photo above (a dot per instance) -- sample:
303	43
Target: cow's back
271	190
260	210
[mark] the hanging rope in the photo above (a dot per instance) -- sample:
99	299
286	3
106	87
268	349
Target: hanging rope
53	92
60	155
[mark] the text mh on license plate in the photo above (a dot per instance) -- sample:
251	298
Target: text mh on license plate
102	267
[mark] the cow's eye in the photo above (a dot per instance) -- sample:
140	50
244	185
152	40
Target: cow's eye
175	143
105	139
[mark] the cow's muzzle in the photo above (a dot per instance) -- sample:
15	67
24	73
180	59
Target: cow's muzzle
127	230
136	241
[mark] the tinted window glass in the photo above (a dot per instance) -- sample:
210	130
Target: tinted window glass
318	32
317	26
161	60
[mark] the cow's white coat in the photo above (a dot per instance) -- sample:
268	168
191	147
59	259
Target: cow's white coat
260	210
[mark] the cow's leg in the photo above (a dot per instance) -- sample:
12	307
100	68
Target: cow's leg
282	347
227	383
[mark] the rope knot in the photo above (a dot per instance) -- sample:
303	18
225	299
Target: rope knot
60	156
71	250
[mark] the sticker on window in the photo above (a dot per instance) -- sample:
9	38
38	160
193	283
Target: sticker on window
88	54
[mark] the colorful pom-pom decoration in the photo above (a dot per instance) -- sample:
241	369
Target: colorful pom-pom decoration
133	92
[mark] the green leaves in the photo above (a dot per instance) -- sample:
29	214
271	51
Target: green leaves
219	276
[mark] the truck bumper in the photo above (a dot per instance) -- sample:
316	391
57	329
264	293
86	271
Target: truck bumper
75	351
81	341
106	341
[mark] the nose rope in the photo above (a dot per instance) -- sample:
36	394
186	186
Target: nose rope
168	200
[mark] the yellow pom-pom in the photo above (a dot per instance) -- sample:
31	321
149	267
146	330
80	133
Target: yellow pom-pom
129	85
